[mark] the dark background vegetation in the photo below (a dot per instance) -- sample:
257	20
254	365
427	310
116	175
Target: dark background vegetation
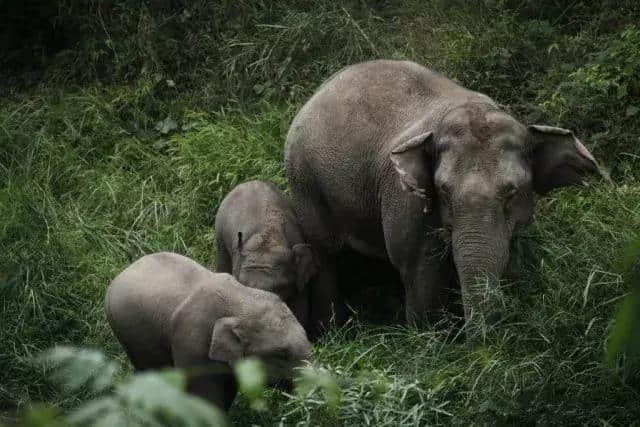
124	123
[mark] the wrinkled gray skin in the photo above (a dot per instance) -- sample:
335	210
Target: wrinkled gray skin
167	310
386	152
259	241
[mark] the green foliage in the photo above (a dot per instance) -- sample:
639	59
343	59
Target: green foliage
144	399
153	111
610	81
252	377
82	197
603	95
312	380
624	337
79	368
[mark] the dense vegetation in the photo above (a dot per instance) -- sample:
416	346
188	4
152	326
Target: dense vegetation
124	123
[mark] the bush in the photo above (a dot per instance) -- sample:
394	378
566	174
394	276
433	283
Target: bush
605	88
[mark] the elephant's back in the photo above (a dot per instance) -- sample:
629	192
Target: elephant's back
145	294
359	109
256	198
381	95
252	207
336	145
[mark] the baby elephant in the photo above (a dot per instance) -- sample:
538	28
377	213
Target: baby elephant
167	310
259	241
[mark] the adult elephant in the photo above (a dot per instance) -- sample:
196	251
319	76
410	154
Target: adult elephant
387	152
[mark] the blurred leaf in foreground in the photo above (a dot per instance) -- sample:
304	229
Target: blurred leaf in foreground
42	415
154	398
74	368
312	379
252	377
625	336
143	399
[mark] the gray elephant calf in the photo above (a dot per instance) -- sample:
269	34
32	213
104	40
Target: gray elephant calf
259	241
166	309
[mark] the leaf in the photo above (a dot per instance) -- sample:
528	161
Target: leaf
159	397
252	377
41	416
96	412
74	368
623	337
631	260
319	378
167	125
174	378
632	110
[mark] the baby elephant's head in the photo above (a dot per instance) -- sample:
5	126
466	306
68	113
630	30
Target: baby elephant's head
278	269
269	332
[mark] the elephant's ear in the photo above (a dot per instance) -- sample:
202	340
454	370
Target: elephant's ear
411	162
560	159
306	265
226	345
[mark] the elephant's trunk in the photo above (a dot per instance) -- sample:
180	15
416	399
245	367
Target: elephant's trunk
481	252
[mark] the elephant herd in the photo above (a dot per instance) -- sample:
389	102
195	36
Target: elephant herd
385	159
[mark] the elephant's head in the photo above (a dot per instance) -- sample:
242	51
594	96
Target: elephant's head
268	331
271	266
479	168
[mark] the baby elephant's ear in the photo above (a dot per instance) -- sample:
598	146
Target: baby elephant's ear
225	342
306	265
560	159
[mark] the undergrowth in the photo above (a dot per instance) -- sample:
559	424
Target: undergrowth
125	141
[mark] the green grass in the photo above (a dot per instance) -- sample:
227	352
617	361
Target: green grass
87	185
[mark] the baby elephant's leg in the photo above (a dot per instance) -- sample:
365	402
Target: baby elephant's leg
204	377
144	358
219	389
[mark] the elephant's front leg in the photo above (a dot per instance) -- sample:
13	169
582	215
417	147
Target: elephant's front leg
427	281
419	254
326	304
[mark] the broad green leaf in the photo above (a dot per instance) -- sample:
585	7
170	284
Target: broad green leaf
624	337
157	400
95	412
312	379
252	377
74	368
42	416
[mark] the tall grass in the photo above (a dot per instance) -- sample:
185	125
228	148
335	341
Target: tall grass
88	183
82	198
